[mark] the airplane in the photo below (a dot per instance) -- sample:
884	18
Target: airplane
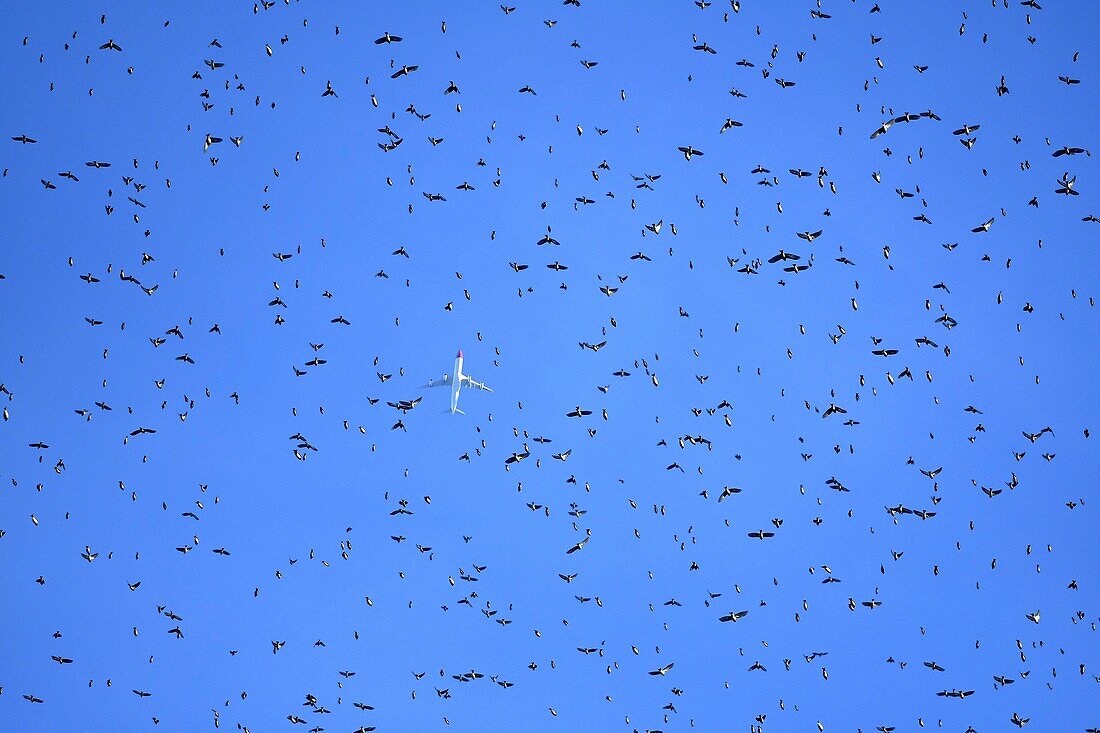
456	382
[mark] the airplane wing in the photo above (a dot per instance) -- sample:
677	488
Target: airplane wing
467	382
444	381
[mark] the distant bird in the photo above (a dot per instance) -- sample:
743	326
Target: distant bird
734	616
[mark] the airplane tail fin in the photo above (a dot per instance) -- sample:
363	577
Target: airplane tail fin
448	411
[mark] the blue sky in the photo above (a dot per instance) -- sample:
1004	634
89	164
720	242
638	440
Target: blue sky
308	179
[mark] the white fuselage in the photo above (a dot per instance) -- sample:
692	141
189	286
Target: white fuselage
456	383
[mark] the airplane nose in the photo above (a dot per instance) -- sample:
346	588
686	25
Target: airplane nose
459	356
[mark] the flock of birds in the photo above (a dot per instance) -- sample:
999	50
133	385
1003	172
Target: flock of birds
817	455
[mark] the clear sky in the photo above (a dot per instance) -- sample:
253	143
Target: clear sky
719	367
